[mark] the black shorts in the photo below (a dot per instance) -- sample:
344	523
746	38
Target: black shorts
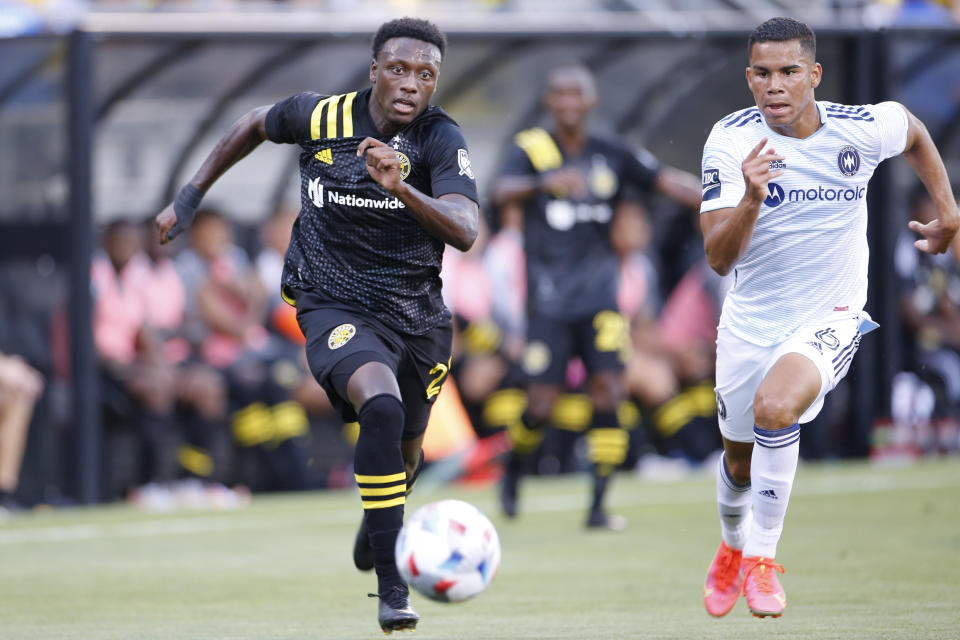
601	340
340	339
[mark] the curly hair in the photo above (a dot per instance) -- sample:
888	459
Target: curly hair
782	30
409	28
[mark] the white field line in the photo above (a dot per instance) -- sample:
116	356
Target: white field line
657	495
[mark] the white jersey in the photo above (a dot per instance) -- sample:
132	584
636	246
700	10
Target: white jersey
808	255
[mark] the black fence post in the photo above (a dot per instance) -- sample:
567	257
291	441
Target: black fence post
85	389
880	354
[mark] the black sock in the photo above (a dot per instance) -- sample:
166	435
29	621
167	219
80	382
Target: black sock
382	480
607	444
600	484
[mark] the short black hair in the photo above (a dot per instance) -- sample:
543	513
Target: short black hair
409	28
782	30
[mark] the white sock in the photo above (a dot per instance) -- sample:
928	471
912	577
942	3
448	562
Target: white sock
733	504
772	469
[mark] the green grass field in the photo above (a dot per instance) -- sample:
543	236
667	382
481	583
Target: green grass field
870	553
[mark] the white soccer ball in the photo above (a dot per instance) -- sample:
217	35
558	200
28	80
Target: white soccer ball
448	551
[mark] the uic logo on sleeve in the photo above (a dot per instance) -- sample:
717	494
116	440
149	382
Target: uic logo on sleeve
711	184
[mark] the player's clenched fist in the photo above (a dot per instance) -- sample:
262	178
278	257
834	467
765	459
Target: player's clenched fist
566	182
383	165
756	171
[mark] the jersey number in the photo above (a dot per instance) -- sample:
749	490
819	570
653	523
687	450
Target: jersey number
613	332
439	372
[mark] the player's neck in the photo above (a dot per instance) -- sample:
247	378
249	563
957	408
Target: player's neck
384	126
571	140
804	126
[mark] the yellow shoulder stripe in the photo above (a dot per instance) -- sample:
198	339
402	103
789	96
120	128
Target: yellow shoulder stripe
348	114
540	148
328	113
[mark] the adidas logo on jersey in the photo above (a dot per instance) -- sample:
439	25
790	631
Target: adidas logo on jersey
324	155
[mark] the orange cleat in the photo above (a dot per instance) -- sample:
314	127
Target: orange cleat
765	596
722	588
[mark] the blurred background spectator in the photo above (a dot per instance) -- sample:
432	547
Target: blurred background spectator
20	386
926	396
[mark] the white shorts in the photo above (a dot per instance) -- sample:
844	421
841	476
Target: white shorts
830	344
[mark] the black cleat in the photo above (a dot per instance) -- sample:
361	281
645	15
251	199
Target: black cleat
395	612
362	550
603	520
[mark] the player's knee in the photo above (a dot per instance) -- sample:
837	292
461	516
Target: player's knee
606	393
381	418
774	411
540	405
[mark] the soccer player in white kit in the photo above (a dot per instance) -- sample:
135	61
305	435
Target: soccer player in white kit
784	207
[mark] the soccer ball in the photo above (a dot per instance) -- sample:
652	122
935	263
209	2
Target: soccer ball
448	551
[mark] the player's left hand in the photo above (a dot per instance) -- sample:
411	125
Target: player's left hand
383	165
936	238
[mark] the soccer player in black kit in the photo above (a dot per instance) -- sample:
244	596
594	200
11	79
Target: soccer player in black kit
386	181
568	182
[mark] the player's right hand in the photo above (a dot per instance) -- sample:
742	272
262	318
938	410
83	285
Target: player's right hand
756	171
564	183
165	221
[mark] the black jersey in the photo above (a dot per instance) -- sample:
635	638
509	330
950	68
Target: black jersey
571	266
354	242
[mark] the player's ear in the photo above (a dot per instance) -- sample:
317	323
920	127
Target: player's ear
373	71
816	74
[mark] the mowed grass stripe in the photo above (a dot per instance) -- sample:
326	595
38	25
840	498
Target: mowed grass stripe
542	495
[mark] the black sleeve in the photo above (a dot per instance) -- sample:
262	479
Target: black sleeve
516	163
449	162
641	168
288	121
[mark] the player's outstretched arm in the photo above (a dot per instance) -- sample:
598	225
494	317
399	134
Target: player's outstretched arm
926	162
680	186
452	218
567	182
244	136
727	232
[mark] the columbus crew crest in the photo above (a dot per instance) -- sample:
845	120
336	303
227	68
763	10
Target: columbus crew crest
536	358
341	336
404	165
602	180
